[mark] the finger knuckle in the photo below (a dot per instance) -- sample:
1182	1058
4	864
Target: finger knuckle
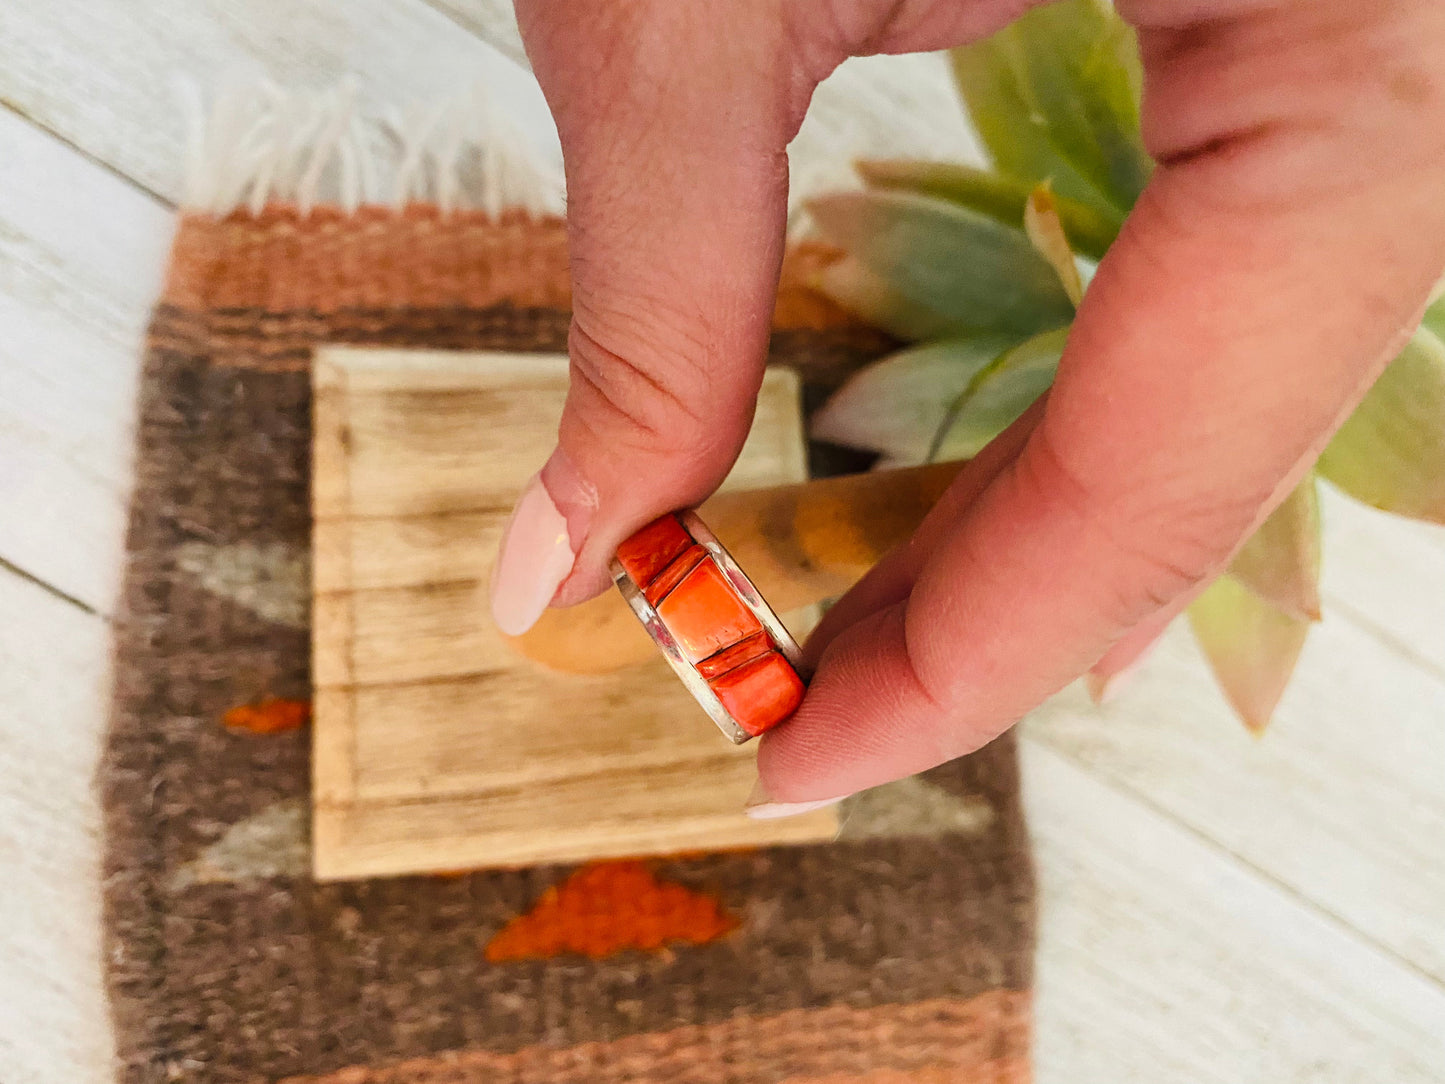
1286	102
1164	534
635	400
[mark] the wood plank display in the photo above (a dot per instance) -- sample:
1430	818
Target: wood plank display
437	745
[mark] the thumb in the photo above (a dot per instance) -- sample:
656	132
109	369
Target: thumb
674	120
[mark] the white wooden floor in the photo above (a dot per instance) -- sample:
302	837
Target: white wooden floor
1215	908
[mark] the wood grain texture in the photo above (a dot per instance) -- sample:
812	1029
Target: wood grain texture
1388	574
1341	800
53	678
437	746
104	74
81	254
1131	884
1162	957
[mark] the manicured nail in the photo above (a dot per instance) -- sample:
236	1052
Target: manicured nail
761	807
1105	688
535	557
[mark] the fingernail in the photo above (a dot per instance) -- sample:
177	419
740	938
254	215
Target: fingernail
1105	688
535	557
761	807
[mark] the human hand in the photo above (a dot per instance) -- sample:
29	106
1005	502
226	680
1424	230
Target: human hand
1278	258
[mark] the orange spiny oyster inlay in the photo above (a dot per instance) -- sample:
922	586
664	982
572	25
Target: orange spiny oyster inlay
610	907
653	548
269	716
729	658
761	693
674	574
715	629
704	613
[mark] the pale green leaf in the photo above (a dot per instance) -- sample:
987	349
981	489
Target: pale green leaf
1252	647
1390	453
1015	135
1281	561
1435	314
1046	232
997	394
1081	66
866	295
895	406
1055	96
1091	229
969	268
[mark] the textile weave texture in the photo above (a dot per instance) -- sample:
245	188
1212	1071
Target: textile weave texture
901	957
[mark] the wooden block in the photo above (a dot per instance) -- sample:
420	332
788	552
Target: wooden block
437	746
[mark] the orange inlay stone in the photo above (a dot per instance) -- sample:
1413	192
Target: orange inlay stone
760	694
729	658
653	548
673	574
705	614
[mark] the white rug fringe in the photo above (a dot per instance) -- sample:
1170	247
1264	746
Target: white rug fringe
258	143
254	143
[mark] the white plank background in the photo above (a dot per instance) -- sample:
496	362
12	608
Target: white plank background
53	676
1214	908
81	255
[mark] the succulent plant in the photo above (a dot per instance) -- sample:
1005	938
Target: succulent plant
982	269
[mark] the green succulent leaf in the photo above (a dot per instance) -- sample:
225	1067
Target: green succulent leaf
997	394
865	294
1090	229
1390	453
1252	647
1281	561
1055	96
1015	136
1434	319
969	268
894	406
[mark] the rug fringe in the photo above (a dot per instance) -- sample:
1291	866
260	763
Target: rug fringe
256	142
259	143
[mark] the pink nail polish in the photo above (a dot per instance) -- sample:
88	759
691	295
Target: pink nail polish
536	556
761	807
576	499
1104	689
771	811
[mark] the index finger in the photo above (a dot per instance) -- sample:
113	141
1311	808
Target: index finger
1265	278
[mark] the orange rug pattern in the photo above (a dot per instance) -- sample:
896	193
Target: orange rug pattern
609	907
896	957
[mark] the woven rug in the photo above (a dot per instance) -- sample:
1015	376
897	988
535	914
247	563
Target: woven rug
904	956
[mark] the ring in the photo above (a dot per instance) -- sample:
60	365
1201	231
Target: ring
713	627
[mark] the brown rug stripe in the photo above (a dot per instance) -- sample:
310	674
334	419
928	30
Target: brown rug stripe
257	974
984	1039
